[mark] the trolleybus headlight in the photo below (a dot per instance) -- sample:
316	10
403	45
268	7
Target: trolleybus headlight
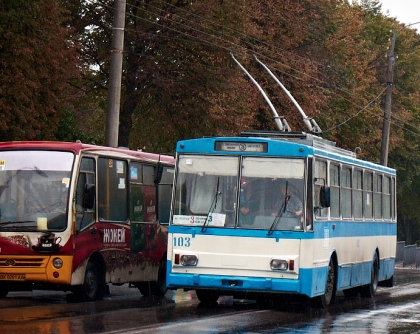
277	264
57	263
189	260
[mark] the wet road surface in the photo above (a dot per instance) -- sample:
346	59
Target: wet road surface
393	310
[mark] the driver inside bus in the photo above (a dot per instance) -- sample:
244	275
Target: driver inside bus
293	205
247	204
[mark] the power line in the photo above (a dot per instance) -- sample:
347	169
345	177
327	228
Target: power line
247	49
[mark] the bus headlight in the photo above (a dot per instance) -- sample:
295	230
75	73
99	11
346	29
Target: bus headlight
277	264
57	263
189	260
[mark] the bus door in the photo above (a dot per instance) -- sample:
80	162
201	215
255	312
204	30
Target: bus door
147	214
87	239
142	207
113	219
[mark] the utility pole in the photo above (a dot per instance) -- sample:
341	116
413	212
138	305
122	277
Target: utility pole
115	73
390	86
387	114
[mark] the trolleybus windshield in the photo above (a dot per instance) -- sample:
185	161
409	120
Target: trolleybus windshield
251	192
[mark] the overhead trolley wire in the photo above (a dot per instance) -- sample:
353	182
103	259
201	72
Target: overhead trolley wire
221	38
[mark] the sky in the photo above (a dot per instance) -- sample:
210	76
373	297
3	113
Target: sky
406	11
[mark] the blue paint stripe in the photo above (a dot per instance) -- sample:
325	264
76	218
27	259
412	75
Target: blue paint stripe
339	229
311	281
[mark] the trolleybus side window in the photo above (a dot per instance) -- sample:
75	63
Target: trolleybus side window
321	180
85	212
358	194
392	198
346	187
335	190
112	190
368	195
377	197
386	198
309	200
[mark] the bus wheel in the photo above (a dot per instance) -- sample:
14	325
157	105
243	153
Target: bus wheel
330	289
369	290
352	292
145	288
159	288
207	296
4	290
90	290
389	283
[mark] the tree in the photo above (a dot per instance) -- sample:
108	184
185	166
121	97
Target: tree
37	61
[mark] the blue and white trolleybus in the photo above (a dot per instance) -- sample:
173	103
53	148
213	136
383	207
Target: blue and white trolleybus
286	213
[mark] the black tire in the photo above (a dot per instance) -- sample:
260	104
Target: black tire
207	296
369	290
352	292
388	283
90	290
4	290
330	288
145	288
157	289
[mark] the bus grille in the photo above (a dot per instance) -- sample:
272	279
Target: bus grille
22	262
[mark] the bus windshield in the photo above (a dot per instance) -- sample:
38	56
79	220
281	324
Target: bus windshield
34	189
240	192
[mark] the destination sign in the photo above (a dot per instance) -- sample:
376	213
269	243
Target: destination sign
240	146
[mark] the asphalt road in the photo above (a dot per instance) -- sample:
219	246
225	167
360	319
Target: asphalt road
392	310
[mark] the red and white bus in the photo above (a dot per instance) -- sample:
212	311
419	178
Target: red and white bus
75	217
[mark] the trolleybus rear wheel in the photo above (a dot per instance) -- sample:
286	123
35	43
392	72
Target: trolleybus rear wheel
369	290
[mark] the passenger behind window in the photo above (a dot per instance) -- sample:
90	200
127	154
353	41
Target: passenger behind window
248	204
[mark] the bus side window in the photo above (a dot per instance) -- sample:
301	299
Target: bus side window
321	179
84	215
165	194
112	190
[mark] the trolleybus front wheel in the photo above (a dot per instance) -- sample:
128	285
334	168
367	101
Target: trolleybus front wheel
207	296
330	288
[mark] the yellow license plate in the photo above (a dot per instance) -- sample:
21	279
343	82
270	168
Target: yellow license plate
12	277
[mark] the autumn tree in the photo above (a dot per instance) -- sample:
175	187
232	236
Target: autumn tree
37	62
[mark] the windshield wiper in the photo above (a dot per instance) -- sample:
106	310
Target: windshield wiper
213	206
280	212
9	222
20	225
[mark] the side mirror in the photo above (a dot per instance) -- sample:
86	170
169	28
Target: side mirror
324	197
89	196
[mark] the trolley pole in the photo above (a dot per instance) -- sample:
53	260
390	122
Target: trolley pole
114	90
387	114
